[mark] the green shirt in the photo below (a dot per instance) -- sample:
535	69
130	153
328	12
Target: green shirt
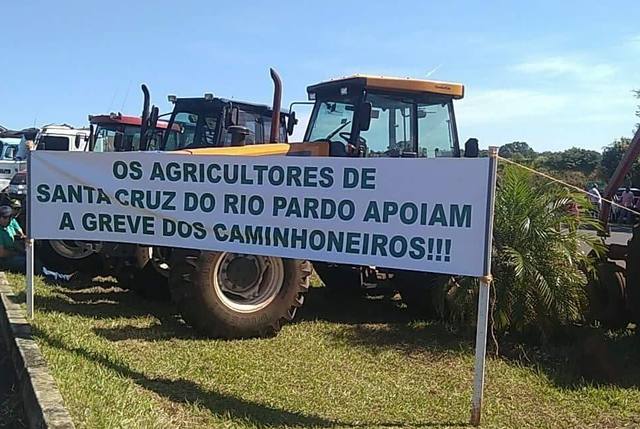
15	226
7	235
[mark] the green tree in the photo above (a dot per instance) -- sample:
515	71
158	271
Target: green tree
611	157
575	159
517	150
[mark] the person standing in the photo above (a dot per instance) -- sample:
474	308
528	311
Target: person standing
627	201
596	199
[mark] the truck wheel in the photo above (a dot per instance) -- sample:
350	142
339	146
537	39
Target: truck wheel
232	295
606	295
68	256
339	278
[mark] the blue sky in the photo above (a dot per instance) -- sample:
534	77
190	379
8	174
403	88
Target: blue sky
554	74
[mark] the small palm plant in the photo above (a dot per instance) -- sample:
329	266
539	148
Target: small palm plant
540	255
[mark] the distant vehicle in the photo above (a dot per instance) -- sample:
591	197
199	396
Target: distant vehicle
50	137
636	194
8	163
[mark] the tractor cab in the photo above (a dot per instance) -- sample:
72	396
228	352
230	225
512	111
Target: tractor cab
116	132
210	122
367	116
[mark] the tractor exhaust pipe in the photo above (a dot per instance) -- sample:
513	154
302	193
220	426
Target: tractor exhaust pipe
277	99
144	118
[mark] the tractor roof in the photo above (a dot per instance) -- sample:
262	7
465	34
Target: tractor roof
198	102
118	118
456	90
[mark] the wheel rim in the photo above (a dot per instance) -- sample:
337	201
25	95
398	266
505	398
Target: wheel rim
247	283
72	249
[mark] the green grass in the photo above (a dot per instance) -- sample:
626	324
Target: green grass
120	361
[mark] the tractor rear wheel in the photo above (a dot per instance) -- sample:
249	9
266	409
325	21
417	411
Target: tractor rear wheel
606	295
232	295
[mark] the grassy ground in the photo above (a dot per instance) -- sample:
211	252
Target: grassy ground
121	361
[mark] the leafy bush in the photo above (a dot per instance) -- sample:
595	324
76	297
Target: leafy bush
539	258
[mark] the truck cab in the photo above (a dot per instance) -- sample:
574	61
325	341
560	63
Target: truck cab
62	138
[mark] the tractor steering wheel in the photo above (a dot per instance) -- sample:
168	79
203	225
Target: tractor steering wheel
346	136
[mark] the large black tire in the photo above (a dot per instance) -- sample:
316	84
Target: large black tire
52	260
339	278
203	305
607	296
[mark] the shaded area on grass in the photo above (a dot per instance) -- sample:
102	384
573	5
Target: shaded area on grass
186	391
578	357
583	356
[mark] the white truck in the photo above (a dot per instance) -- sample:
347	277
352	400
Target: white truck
50	137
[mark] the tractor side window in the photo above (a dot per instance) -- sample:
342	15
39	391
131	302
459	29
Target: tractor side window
267	129
390	133
251	121
435	134
332	121
131	140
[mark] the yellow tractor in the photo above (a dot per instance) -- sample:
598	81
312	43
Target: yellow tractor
231	295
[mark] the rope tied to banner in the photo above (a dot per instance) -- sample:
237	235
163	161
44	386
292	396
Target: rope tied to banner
576	188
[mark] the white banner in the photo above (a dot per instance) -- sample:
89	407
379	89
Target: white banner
415	214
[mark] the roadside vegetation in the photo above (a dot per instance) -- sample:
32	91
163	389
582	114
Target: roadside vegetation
540	260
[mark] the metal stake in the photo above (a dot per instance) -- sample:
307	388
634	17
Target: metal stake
483	298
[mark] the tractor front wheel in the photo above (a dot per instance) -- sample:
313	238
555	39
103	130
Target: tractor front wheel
232	295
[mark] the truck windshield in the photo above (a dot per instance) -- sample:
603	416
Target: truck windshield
53	143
